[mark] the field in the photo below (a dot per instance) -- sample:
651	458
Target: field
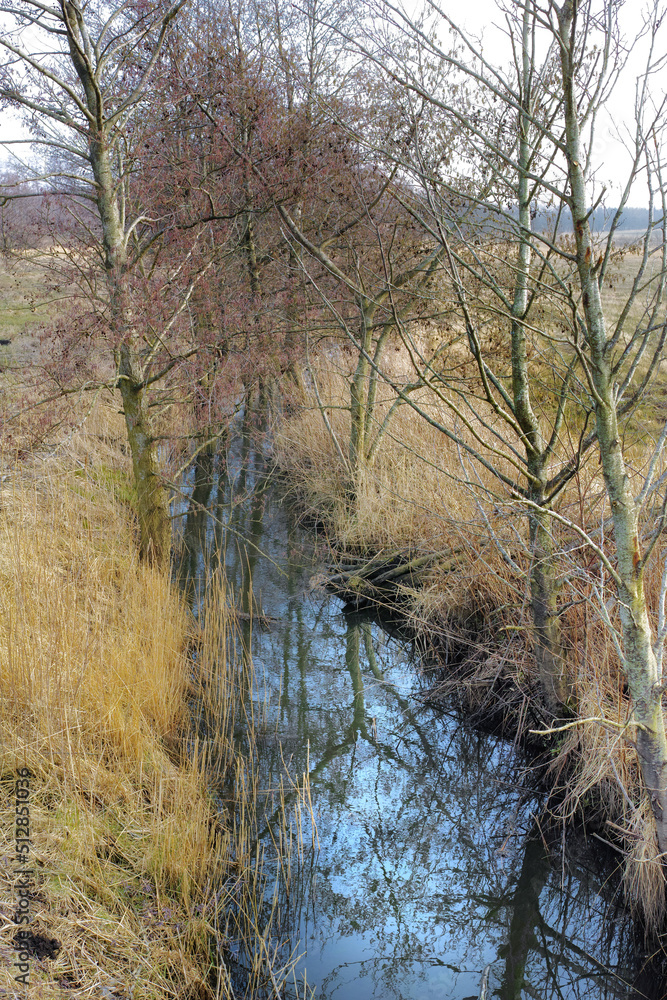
24	300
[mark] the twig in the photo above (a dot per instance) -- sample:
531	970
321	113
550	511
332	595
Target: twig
580	722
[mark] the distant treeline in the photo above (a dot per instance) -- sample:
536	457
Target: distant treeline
500	221
601	219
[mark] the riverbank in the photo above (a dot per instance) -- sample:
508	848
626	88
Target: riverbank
117	711
427	863
471	608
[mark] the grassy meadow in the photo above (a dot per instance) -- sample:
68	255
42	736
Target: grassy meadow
23	299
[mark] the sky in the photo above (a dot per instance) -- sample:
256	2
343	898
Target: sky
611	156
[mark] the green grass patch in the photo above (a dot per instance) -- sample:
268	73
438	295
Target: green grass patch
110	480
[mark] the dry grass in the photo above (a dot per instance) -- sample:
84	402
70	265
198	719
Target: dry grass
97	696
93	685
407	497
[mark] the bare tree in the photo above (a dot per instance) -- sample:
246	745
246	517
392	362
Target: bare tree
363	259
620	360
81	74
528	153
474	158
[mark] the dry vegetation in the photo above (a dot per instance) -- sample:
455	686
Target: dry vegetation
22	295
140	880
140	877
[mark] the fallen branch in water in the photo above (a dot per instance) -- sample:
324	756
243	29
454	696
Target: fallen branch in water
364	582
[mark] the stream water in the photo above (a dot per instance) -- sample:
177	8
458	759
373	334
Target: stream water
430	864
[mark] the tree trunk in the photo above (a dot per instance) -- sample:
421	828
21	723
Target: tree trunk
99	60
543	583
544	606
152	497
639	660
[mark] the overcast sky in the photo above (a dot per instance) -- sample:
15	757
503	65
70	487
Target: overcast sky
612	159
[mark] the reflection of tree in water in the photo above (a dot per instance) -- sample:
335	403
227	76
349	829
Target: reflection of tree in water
545	953
411	868
430	864
197	520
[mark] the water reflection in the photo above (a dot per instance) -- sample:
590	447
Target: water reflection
431	863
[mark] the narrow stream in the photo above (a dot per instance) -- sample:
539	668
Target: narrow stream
431	864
